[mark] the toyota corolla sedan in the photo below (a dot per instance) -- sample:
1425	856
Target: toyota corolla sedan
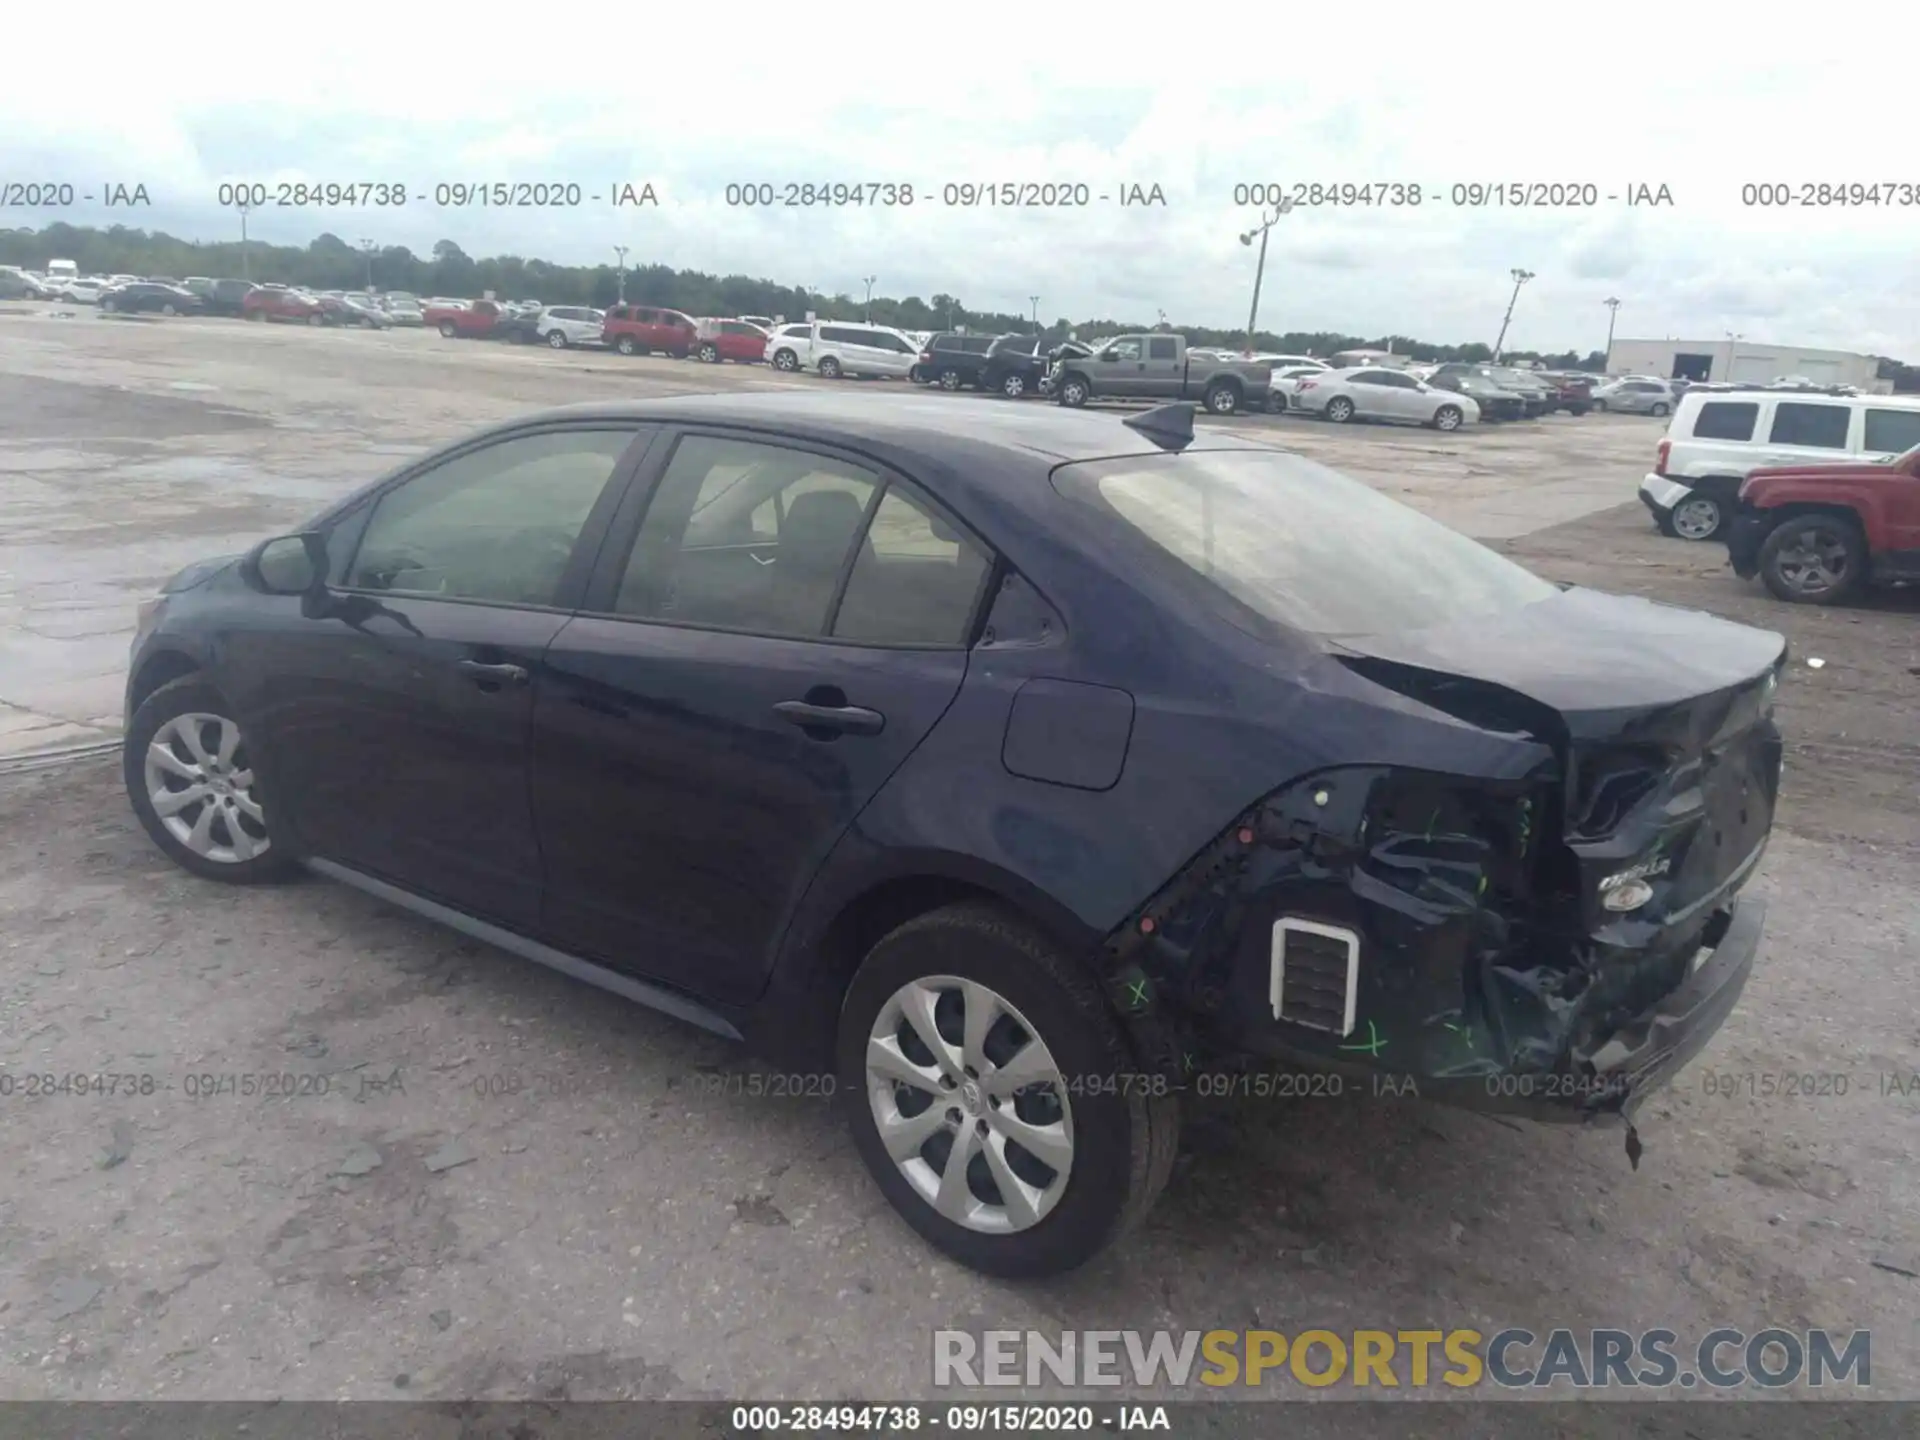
1014	772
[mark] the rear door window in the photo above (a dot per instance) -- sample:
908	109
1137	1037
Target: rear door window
1821	427
1892	432
1726	420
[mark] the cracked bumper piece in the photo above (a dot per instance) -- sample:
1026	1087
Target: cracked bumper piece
1420	936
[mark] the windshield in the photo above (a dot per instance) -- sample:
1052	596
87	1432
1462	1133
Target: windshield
1302	545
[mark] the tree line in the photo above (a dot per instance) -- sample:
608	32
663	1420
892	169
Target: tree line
330	263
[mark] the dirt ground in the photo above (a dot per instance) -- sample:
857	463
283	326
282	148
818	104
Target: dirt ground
479	1179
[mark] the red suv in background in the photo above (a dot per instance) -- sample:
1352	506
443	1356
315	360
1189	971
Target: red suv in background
276	302
737	340
642	329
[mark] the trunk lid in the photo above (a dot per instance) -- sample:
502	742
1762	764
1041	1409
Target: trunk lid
1662	721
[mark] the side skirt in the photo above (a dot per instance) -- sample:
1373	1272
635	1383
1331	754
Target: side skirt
655	997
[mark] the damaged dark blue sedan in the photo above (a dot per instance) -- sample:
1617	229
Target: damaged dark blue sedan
1005	769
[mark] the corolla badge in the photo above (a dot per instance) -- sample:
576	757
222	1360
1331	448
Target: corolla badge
1628	889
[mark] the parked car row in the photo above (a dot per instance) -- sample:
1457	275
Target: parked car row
1814	491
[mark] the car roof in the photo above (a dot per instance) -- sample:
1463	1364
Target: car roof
909	424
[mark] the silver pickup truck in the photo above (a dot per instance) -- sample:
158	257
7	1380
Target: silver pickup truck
1158	367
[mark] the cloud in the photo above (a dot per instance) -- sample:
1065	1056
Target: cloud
695	101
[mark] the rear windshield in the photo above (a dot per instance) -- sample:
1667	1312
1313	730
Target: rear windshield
1301	545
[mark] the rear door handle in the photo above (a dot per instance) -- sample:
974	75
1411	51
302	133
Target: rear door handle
484	674
845	719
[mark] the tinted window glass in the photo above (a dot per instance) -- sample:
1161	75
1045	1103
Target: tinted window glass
839	335
1725	420
1300	544
1163	348
916	579
1892	431
497	524
745	536
1823	426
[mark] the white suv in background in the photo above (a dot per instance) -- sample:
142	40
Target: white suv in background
1718	437
787	344
564	325
836	348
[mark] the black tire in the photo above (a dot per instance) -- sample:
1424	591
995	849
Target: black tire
1841	535
260	315
169	309
951	379
786	360
626	345
1013	385
449	330
829	368
316	319
710	353
1072	391
188	695
556	339
108	307
1448	417
1601	406
1339	410
1222	397
1578	409
1658	410
1123	1143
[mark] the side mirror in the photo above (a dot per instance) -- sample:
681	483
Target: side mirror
288	565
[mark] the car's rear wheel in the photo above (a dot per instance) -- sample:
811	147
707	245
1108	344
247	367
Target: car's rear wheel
1339	410
190	776
316	319
1447	417
169	309
710	353
1601	406
993	1096
1578	409
829	368
1013	385
1815	559
1223	398
1698	517
950	379
1658	410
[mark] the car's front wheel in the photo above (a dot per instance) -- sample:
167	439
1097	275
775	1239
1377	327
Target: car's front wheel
1071	392
993	1098
1814	559
190	775
1447	417
1658	411
786	360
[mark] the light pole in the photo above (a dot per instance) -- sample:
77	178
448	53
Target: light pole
620	295
369	246
1613	313
1732	340
868	281
1034	300
1260	268
243	207
1520	277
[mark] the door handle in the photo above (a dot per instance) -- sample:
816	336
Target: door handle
484	674
843	719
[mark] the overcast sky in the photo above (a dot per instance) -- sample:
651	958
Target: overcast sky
725	93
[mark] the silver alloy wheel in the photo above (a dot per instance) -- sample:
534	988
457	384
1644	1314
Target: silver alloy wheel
1339	409
1448	418
557	339
1696	517
1814	565
1074	393
949	379
970	1103
201	786
1014	386
785	360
